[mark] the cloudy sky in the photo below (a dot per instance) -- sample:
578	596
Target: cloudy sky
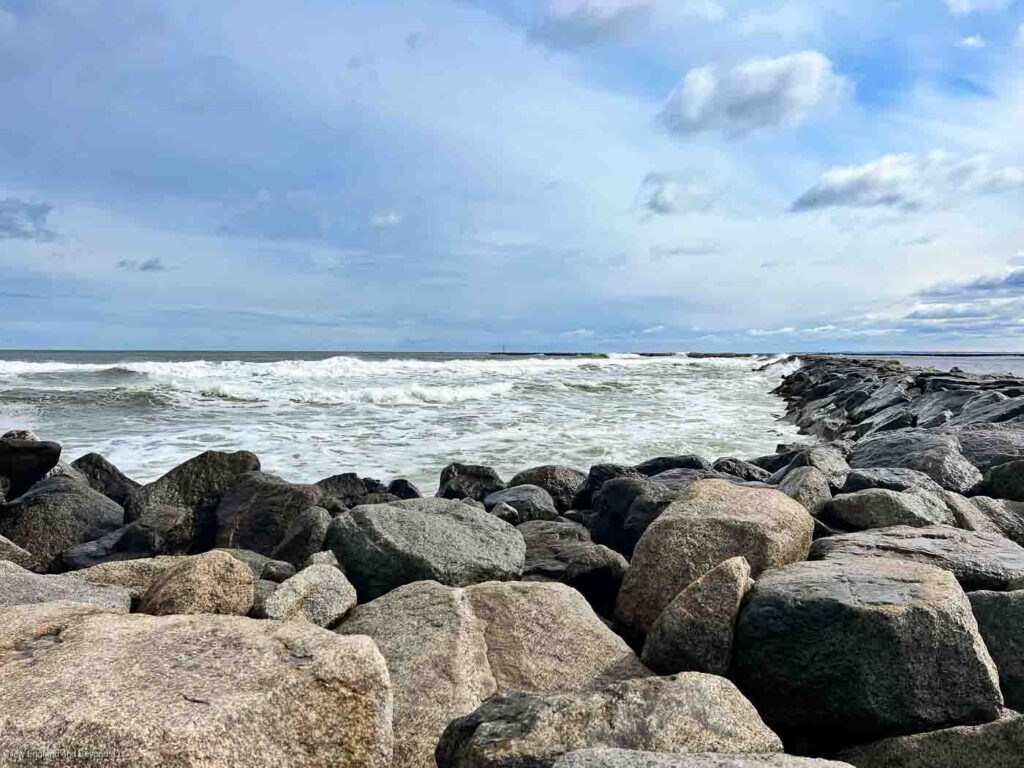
543	174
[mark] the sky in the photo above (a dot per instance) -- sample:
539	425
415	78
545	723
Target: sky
789	175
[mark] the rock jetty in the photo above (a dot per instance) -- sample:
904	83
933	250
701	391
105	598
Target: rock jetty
853	600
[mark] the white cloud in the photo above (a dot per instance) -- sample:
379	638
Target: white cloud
759	94
385	220
652	330
580	333
974	41
573	24
909	182
965	7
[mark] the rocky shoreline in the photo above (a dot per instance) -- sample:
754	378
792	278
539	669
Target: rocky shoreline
857	601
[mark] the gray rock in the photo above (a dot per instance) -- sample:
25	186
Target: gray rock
188	691
623	509
304	537
809	487
322	558
159	531
530	501
679	480
1004	481
993	745
999	516
257	511
348	488
261	566
830	460
627	758
12	553
379	498
404	489
562	551
104	477
889	478
880	508
893	392
319	594
58	514
711	522
986	444
977	560
599	475
22	587
63	469
937	455
459	481
262	590
862	648
25	462
448	650
695	631
1000	617
744	470
384	546
561	482
504	512
661	464
211	583
136	575
691	712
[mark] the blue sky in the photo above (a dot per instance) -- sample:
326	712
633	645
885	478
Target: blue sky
573	174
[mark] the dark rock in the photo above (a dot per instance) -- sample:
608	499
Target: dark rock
881	508
529	501
25	462
629	758
374	486
661	464
977	560
893	392
888	478
378	498
623	509
561	482
985	444
104	477
744	470
347	488
404	489
1004	481
808	486
599	475
679	480
938	456
1000	617
304	537
1005	518
827	459
160	531
459	481
857	649
561	551
384	546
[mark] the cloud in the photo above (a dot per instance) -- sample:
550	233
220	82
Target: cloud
577	24
974	41
1010	283
659	252
20	220
385	219
652	330
154	264
965	7
910	182
663	194
759	94
580	333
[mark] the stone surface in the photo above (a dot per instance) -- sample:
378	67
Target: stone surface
744	470
304	537
348	488
404	489
626	758
623	509
104	477
598	475
977	560
57	514
809	487
19	586
319	594
449	649
937	455
137	575
12	553
691	712
862	648
562	551
159	531
711	522
188	691
1004	481
460	481
24	462
999	516
211	583
993	745
695	631
561	482
261	566
653	467
881	508
889	478
384	546
1000	617
530	502
986	444
830	460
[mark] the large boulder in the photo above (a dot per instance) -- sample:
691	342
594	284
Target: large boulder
136	575
561	482
57	514
383	546
598	475
992	745
304	537
469	481
159	530
319	594
189	690
744	470
881	508
348	488
986	445
809	487
860	648
448	650
937	455
529	501
25	462
561	551
623	509
695	631
628	758
258	509
977	560
403	489
1000	617
999	516
889	478
691	712
104	477
211	583
19	586
653	467
830	460
711	522
1004	481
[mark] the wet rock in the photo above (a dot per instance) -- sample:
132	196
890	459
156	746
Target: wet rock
304	537
880	508
986	445
348	488
159	531
56	515
690	712
679	480
711	522
384	546
19	586
319	594
530	502
695	631
564	552
561	482
1004	481
1000	617
888	478
977	560
664	463
210	583
459	481
860	648
1005	518
190	690
404	489
599	475
627	758
449	649
104	477
624	508
25	462
744	470
938	456
809	487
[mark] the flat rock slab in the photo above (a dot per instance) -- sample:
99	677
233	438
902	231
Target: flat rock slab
937	455
625	758
22	587
97	689
691	712
977	560
882	508
861	648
